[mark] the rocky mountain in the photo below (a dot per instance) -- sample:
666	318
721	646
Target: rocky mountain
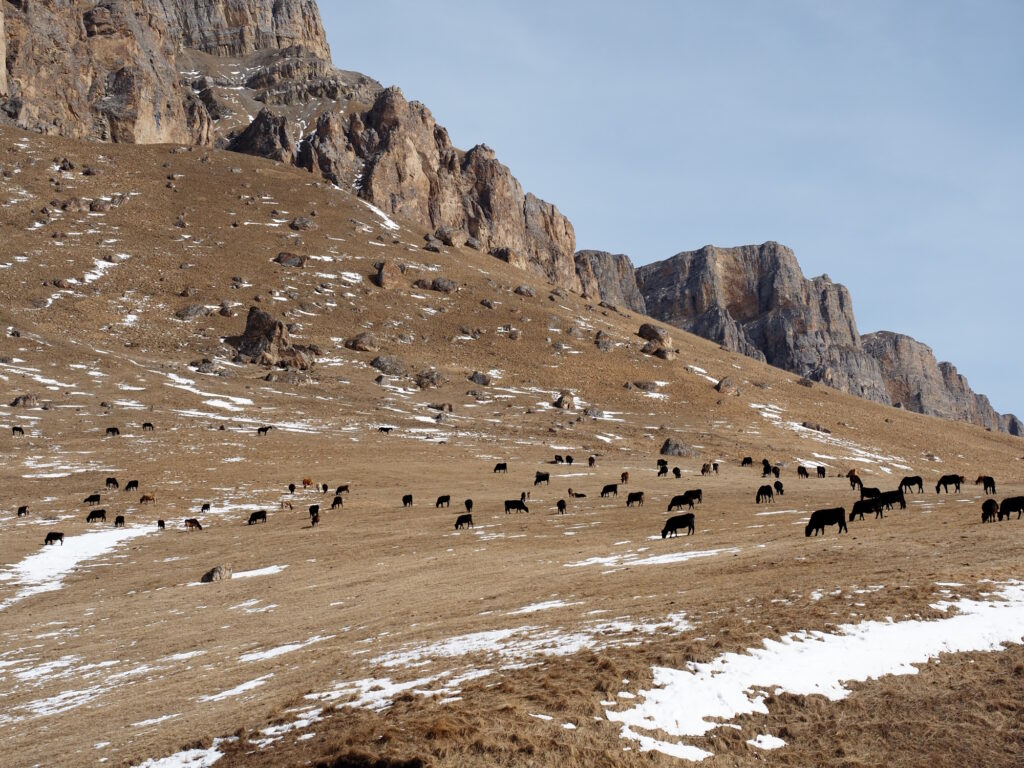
256	76
919	382
610	278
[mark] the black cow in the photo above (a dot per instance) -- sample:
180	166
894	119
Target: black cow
612	489
262	431
53	537
92	500
576	495
119	521
802	472
97	516
680	501
673	524
821	473
323	488
314	508
113	432
204	508
989	483
748	461
569	460
947	480
635	498
407	500
337	502
133	485
515	505
291	487
501	466
314	519
558	459
443	501
714	466
1012	504
866	505
191	524
542	477
764	493
909	483
148	426
766	468
677	473
592	462
663	470
112	483
561	506
385	430
989	510
160	524
662	462
464	521
889	498
777	471
869	493
697	495
23	511
825	517
341	489
261	516
17	432
779	487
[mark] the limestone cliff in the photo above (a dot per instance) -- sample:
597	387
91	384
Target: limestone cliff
610	278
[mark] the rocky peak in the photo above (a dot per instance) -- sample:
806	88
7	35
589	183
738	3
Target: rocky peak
610	278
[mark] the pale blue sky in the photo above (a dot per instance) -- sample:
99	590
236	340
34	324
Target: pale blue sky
882	141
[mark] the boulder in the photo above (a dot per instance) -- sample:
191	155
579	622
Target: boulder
302	224
655	334
389	275
428	379
217	573
726	387
673	447
565	402
266	136
266	342
453	237
480	378
390	365
364	342
603	341
25	401
191	312
444	285
291	259
525	290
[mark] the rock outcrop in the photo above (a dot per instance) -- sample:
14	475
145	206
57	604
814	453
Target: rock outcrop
920	383
610	278
756	301
266	342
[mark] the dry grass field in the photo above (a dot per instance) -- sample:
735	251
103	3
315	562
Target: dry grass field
384	636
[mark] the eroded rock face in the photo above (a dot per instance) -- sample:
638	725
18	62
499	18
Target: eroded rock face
610	278
266	342
756	301
920	383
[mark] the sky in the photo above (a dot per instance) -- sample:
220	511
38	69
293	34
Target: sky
883	142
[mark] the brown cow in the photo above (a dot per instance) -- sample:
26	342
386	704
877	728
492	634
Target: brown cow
192	523
286	505
306	482
624	478
148	499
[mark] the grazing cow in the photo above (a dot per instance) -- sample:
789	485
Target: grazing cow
821	473
705	470
824	517
764	493
866	505
113	432
855	482
133	485
258	517
592	462
990	484
337	502
624	478
385	430
947	480
53	537
909	483
469	505
515	505
714	467
523	495
407	500
314	508
777	471
988	511
193	524
341	489
673	524
204	508
119	521
23	511
575	495
677	473
97	516
662	462
464	521
92	500
443	501
112	483
779	488
542	477
802	472
561	506
748	461
148	499
635	498
17	432
501	466
261	432
569	460
160	524
678	502
766	468
612	489
663	470
1012	504
323	488
558	459
314	519
291	487
148	426
869	493
697	494
889	498
306	482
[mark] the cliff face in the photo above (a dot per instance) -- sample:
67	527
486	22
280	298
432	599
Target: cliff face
918	382
756	301
610	278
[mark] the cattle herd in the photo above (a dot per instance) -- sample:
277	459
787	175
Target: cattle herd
871	500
